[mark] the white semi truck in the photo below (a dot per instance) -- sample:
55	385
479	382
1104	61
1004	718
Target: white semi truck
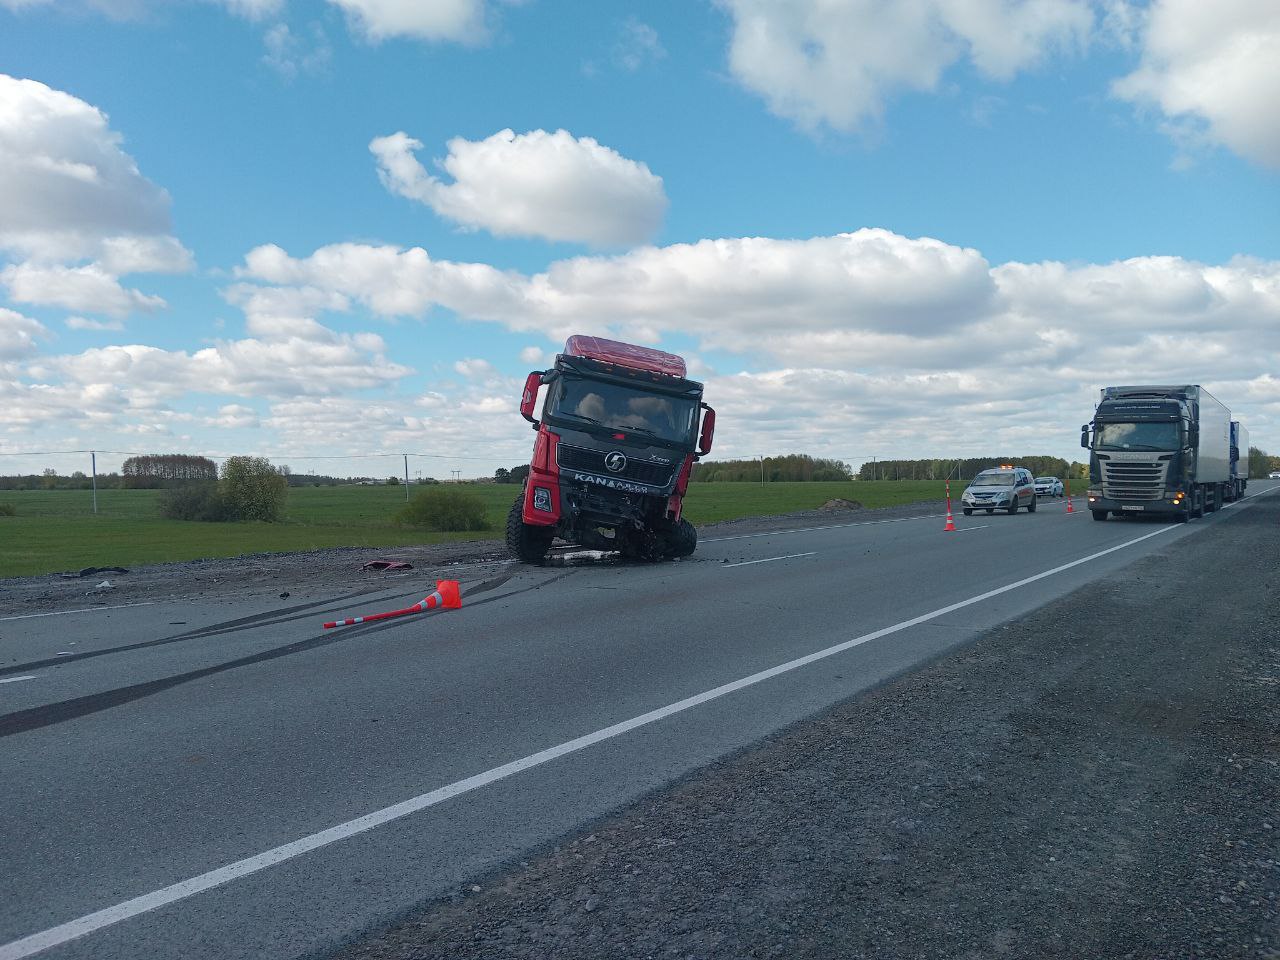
1158	450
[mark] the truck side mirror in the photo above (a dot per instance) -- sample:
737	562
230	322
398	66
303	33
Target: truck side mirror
708	431
1084	436
530	395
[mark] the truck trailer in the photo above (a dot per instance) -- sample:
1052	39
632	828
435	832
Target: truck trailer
1158	450
1239	460
620	429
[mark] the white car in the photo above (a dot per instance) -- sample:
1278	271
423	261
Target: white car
1001	488
1274	475
1048	487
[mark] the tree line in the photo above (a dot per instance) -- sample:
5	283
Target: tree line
966	469
790	467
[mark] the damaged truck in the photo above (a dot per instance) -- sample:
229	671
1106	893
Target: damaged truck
619	431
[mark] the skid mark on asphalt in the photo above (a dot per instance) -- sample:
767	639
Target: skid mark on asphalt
35	718
286	615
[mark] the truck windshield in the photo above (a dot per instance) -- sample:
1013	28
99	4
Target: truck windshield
1136	436
623	408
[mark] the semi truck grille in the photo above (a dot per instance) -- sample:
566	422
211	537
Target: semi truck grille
1132	481
592	461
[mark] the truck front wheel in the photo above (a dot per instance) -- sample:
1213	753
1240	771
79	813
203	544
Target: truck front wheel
1099	514
682	540
526	543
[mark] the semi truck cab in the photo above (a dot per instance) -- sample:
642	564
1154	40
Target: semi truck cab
1157	450
620	429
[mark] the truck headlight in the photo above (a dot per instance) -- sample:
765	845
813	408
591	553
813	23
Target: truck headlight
542	499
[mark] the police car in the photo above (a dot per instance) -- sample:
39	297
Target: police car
1000	488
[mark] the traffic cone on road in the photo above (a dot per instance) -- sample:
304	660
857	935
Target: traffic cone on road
1070	509
446	595
951	524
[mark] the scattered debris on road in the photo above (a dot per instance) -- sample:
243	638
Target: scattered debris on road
388	565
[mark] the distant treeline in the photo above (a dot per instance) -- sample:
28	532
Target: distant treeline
793	466
802	467
966	469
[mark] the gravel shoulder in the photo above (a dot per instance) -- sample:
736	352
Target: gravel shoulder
332	571
1098	779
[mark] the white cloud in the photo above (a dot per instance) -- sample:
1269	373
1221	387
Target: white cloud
836	62
90	289
1210	68
234	416
290	55
253	9
84	323
457	20
18	334
533	355
540	184
16	5
733	293
637	45
475	368
67	189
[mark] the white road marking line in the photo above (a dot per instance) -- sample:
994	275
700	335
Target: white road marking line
16	679
967	529
73	929
825	526
790	556
62	613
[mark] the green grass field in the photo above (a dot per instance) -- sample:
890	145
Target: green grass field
56	530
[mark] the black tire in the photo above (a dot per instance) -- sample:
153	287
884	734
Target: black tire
990	511
1031	507
526	543
1013	505
1197	504
682	540
967	512
1099	514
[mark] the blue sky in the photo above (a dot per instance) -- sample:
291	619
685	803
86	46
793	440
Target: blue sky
346	227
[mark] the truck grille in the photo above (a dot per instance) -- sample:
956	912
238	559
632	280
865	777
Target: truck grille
1127	480
592	461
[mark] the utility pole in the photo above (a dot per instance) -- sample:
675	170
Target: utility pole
93	466
406	478
762	469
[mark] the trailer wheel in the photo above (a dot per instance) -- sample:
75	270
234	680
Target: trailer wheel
682	540
526	543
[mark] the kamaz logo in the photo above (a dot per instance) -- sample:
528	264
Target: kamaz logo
611	483
615	461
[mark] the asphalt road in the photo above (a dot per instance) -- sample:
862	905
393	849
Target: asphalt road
226	780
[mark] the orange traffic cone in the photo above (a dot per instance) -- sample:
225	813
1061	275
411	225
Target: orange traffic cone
1070	509
951	524
446	595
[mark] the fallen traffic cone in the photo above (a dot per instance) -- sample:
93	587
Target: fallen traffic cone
446	595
